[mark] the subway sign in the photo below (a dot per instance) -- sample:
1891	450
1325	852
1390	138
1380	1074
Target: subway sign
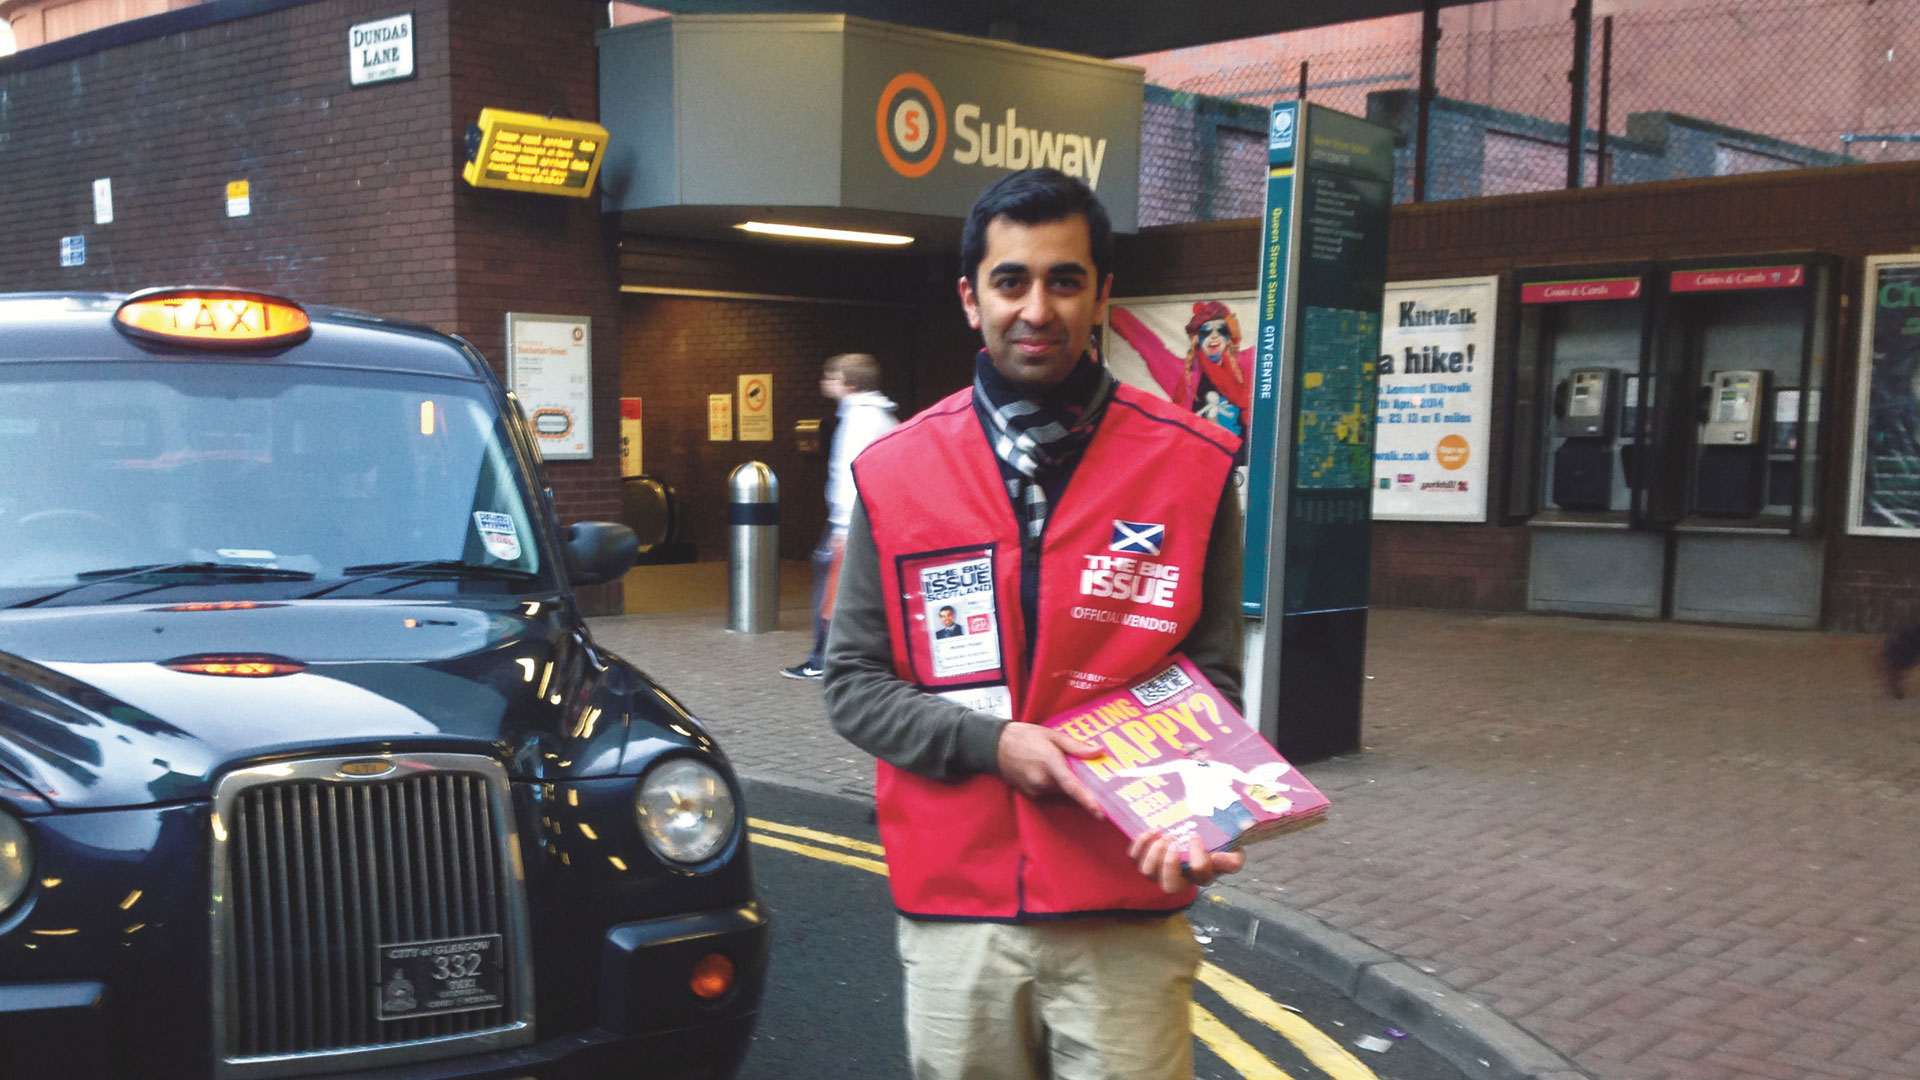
518	151
931	119
911	129
811	112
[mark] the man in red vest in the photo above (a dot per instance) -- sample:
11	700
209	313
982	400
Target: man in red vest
1080	530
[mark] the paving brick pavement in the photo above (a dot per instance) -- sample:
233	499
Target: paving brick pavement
1671	852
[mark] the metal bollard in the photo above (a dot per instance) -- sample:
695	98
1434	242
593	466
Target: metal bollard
753	567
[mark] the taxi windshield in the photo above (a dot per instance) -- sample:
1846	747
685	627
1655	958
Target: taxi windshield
218	467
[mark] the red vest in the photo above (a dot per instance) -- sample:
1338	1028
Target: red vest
1120	588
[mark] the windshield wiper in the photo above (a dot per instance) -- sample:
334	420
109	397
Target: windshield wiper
425	570
88	578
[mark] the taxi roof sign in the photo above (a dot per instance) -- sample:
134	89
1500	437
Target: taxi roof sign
519	151
212	318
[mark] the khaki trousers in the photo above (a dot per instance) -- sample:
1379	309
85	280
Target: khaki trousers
1070	999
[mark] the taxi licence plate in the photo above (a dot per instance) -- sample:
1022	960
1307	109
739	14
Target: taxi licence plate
445	975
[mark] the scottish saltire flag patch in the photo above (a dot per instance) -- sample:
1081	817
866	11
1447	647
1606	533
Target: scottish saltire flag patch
1137	537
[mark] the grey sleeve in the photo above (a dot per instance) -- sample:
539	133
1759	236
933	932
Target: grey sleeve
1215	644
873	708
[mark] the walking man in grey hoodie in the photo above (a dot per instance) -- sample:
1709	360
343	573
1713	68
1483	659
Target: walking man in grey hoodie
864	414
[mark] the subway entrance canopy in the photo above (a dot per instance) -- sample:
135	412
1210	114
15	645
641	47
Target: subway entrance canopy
888	115
1099	28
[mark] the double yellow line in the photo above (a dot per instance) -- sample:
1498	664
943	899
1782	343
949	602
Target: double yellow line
1325	1053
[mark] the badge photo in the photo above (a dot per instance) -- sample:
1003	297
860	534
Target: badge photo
952	618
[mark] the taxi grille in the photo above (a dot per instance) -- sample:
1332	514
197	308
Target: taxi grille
322	872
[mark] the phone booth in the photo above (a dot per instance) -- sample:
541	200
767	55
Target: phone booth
1743	355
1575	467
1666	437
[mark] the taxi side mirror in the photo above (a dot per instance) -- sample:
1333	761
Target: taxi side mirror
599	551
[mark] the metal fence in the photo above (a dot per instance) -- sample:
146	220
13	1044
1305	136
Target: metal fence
1674	89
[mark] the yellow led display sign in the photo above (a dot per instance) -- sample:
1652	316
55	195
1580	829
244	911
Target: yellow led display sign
527	152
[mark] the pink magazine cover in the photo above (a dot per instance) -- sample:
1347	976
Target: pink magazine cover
1182	760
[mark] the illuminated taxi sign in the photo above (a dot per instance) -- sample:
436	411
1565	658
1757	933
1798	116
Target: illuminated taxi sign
525	152
215	318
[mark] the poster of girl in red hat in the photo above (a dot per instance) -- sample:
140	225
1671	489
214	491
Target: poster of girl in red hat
1188	350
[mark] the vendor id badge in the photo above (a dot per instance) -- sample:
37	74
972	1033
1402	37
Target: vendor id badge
447	975
952	617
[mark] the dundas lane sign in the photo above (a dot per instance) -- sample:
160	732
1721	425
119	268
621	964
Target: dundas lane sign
835	111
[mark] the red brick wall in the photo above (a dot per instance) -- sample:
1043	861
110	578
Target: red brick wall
350	187
356	193
677	351
539	254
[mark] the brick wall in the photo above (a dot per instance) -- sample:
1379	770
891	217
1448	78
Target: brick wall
356	196
1872	583
350	187
677	351
522	252
1201	158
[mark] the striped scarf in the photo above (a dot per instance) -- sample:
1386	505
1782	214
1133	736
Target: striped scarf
1032	438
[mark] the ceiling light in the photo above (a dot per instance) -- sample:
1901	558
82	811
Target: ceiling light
809	232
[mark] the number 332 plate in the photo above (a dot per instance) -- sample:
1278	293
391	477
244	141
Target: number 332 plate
428	978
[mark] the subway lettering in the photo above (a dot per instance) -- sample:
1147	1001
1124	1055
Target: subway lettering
1010	146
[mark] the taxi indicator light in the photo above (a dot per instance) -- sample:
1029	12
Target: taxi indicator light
213	318
712	977
218	605
245	667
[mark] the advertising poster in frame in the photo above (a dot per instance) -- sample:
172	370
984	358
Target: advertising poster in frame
1883	495
1431	446
1192	350
549	368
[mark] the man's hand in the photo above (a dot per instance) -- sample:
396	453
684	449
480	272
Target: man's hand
1033	759
1158	856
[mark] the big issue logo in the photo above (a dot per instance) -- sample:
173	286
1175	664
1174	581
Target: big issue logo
911	125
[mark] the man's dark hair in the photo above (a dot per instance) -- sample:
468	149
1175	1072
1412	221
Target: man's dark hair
946	609
1034	197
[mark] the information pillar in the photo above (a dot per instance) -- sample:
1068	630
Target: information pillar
1323	269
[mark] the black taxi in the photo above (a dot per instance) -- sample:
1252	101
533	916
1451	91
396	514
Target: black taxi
308	764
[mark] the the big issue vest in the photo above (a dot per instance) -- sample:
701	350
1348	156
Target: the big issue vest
1120	587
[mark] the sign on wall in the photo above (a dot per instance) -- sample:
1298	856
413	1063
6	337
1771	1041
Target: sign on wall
1883	496
1431	448
720	417
756	408
550	368
380	51
630	459
518	151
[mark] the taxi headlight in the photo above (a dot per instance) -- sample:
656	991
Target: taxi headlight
685	810
16	861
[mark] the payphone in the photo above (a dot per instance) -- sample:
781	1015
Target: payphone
1730	477
1733	408
1583	403
1584	411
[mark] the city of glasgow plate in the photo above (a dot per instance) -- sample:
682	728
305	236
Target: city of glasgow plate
447	975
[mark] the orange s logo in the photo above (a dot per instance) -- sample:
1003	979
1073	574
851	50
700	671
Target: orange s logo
911	125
